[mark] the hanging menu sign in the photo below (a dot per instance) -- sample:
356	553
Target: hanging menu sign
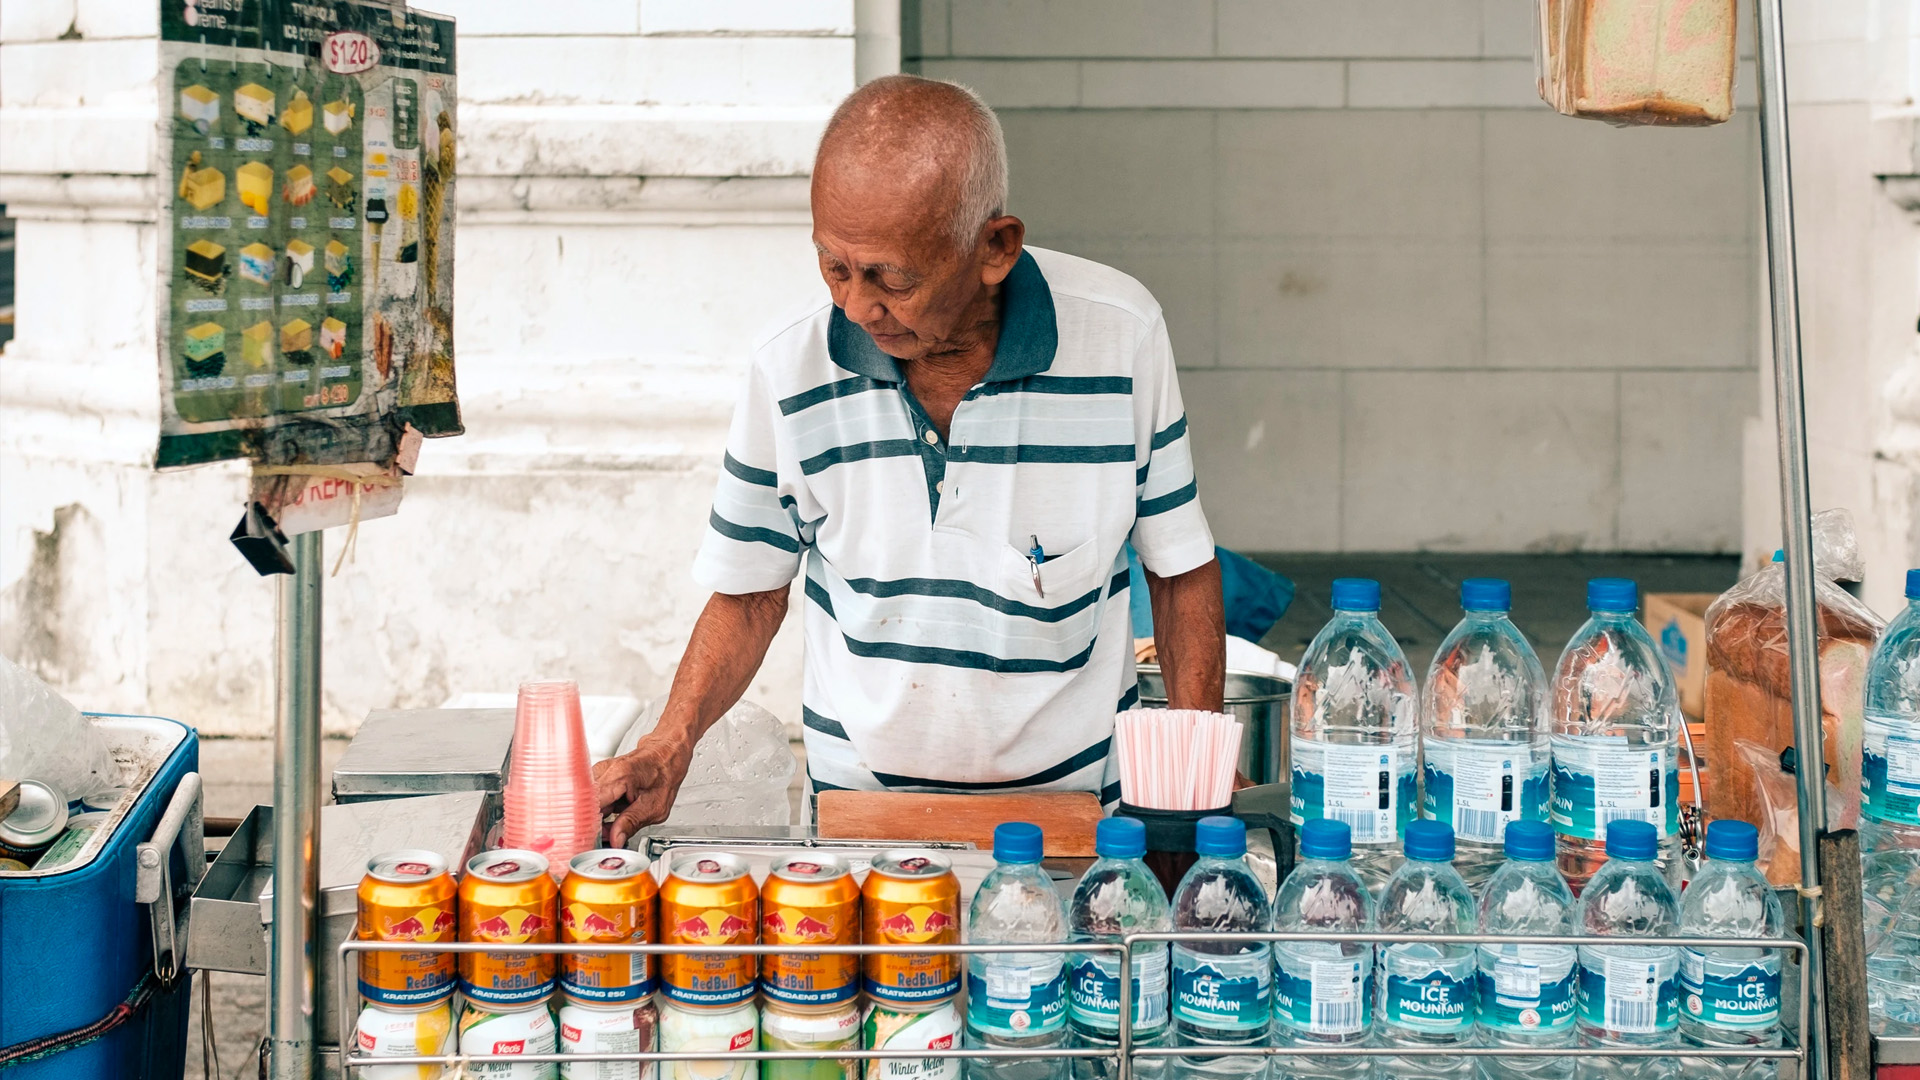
306	230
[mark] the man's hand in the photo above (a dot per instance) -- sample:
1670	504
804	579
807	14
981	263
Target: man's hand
641	785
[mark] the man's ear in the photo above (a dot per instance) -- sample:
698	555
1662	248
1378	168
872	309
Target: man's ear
1005	239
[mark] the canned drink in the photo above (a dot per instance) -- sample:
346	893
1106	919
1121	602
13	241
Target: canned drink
591	1027
936	1028
388	1032
13	866
608	897
80	829
813	1030
911	898
810	899
105	801
508	897
709	899
684	1030
35	823
407	895
520	1031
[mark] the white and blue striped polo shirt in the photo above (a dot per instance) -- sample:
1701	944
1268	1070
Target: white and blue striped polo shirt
932	661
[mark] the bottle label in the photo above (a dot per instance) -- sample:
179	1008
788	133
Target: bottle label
1737	994
1478	787
1600	779
1436	1001
1890	771
1638	994
1229	992
1318	990
1017	994
1527	988
1093	987
1370	788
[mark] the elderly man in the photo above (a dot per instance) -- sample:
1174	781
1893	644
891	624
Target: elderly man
957	448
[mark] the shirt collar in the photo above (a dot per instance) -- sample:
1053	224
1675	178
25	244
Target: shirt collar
1029	334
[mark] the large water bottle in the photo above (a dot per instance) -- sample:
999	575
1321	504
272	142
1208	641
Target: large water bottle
1616	717
1221	991
1730	996
1355	731
1484	725
1427	990
1118	896
1323	990
1016	1000
1629	994
1526	992
1890	768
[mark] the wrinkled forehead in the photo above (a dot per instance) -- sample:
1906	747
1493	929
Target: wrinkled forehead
874	215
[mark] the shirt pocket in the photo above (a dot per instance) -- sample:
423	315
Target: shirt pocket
1064	580
1052	628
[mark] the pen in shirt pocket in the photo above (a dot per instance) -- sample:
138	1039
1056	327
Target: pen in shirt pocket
1035	556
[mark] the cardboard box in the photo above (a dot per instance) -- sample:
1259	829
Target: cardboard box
1677	623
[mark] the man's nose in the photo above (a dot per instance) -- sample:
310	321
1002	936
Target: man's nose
863	303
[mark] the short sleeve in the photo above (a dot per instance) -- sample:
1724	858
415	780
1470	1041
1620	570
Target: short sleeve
1169	530
754	533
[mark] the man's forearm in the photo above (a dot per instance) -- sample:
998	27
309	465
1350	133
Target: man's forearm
1189	634
727	646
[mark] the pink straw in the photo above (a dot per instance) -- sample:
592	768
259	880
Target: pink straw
1177	759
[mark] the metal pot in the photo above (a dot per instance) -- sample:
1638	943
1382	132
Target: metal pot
1259	702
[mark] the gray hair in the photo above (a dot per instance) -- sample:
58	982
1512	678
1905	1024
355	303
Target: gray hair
983	183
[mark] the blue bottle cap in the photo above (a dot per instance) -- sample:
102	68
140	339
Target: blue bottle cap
1529	841
1120	838
1612	594
1429	841
1016	842
1486	594
1631	840
1324	838
1223	836
1779	554
1356	594
1733	841
1913	584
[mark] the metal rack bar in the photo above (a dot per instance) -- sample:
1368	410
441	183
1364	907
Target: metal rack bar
296	821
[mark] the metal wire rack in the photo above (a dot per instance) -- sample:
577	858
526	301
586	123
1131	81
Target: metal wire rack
1122	1054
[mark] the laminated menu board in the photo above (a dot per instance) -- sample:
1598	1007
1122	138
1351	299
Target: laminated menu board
306	230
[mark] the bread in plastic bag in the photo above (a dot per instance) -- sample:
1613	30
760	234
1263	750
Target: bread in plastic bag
1638	62
1748	695
44	738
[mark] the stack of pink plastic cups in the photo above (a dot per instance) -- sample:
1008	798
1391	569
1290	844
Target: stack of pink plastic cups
549	801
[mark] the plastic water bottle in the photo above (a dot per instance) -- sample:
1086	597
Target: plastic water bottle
1427	990
1616	717
1890	766
1323	990
1730	996
1526	992
1629	994
1355	731
1221	992
1016	1000
1484	728
1118	896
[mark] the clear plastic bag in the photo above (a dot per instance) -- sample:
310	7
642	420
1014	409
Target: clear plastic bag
1637	62
740	771
44	738
1748	696
1779	816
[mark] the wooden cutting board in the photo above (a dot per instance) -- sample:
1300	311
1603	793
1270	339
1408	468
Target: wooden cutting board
1066	818
9	797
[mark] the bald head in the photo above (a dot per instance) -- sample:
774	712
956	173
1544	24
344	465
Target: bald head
935	139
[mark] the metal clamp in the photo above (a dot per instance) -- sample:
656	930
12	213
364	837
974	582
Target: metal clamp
182	824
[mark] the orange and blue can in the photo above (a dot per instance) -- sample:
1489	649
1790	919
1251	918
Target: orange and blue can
810	899
709	898
507	897
911	898
608	898
407	896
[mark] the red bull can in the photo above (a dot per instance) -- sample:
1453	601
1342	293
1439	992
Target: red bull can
810	899
596	1028
911	898
685	1030
815	1031
935	1028
516	1032
385	1032
407	896
608	897
709	899
507	897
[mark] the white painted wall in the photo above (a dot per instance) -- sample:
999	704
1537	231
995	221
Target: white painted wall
1415	309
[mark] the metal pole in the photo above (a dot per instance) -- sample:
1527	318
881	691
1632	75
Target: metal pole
296	813
1795	512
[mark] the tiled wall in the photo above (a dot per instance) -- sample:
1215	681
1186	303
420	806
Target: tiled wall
1415	308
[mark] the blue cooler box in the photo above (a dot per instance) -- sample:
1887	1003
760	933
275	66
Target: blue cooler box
75	942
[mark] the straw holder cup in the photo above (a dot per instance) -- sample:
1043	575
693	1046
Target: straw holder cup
1170	847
